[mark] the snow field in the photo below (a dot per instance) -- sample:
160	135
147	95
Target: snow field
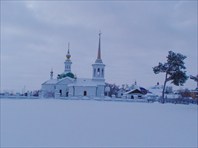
89	123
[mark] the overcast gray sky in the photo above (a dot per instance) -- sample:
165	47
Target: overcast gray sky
136	35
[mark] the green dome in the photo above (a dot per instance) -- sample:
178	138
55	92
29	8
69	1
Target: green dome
69	74
63	75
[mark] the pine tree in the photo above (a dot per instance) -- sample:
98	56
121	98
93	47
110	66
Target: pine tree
173	69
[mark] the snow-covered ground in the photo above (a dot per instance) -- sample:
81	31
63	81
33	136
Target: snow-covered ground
90	123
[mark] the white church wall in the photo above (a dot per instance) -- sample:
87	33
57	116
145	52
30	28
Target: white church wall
81	91
85	91
48	90
100	91
91	91
62	89
71	90
48	87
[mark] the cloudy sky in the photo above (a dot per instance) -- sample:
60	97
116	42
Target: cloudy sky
136	35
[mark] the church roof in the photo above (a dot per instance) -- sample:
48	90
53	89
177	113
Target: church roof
56	81
51	81
86	82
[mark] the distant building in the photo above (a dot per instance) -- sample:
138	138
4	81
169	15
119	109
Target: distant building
155	91
67	84
121	92
132	92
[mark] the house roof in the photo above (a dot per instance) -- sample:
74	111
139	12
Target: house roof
134	91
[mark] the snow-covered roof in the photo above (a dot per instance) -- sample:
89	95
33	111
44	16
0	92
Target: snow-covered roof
65	78
86	82
157	90
56	81
134	91
135	86
51	81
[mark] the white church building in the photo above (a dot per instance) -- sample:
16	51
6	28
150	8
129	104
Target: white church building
67	85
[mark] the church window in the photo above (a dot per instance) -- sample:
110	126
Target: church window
102	72
98	72
60	91
85	93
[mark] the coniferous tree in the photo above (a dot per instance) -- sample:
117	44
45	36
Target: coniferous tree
174	70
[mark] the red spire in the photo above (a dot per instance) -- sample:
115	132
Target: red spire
99	51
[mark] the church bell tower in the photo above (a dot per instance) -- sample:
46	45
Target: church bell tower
98	66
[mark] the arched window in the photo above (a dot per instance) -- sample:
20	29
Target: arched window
85	93
60	91
98	71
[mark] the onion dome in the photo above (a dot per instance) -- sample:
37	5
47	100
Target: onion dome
68	55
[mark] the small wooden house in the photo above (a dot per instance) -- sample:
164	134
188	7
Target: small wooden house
134	94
